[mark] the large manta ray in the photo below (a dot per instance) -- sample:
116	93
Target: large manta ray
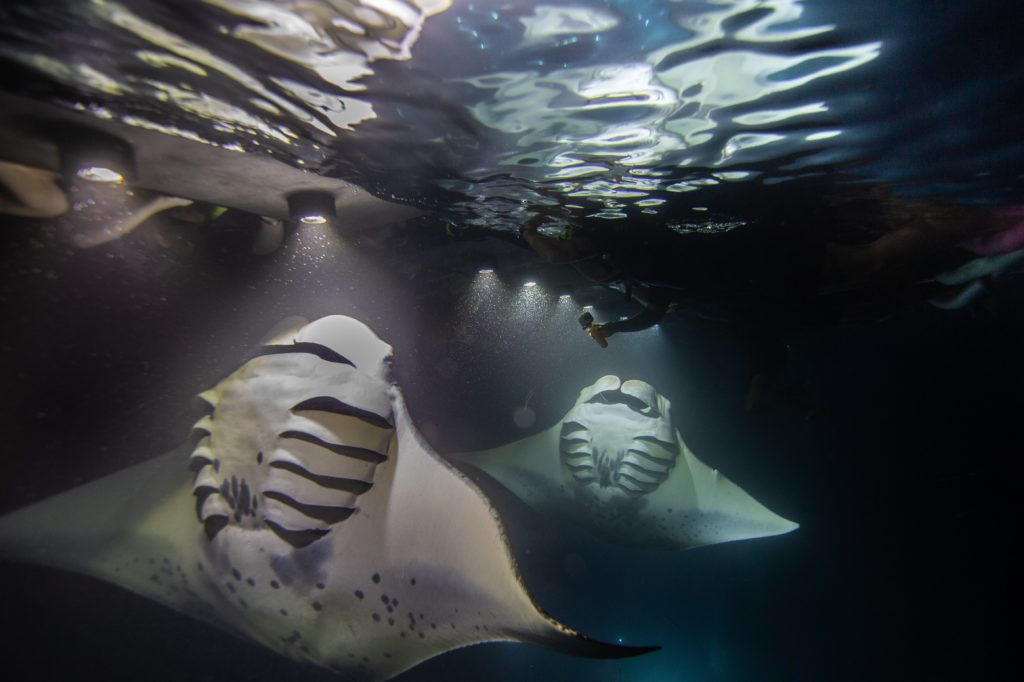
308	515
615	464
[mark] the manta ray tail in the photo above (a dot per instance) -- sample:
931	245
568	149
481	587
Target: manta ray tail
568	641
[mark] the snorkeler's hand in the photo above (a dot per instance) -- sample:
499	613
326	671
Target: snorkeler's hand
595	333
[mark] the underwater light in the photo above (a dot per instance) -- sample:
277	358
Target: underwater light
100	174
485	271
95	157
311	207
529	284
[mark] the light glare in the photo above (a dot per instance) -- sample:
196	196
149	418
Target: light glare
100	174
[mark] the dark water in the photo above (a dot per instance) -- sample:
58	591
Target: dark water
898	458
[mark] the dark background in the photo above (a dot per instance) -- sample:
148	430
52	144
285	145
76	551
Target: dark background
905	479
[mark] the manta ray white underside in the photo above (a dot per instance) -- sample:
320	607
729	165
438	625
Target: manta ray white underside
308	515
616	465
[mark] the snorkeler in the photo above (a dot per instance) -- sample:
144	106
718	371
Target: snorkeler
755	271
31	192
767	277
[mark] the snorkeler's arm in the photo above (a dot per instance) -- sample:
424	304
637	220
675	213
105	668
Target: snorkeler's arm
657	305
646	318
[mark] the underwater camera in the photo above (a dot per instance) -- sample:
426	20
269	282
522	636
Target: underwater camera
586	321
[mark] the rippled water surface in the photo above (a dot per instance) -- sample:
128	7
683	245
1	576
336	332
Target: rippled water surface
493	110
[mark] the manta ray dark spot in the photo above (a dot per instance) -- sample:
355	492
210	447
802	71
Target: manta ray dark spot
320	586
252	583
284	612
317	606
384	598
391	621
359	594
375	578
413	582
376	617
259	457
243	604
276	585
394	602
235	572
231	588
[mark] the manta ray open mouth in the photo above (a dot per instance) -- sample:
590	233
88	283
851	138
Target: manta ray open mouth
619	436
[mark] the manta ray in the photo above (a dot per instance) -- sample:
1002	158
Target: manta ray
616	465
306	514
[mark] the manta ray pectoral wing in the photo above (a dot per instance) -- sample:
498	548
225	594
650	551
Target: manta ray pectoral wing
133	528
456	566
720	510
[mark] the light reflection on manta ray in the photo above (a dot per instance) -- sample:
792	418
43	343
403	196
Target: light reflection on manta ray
615	464
315	520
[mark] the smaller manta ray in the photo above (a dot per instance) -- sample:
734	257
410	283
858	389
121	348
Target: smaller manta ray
308	515
616	465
